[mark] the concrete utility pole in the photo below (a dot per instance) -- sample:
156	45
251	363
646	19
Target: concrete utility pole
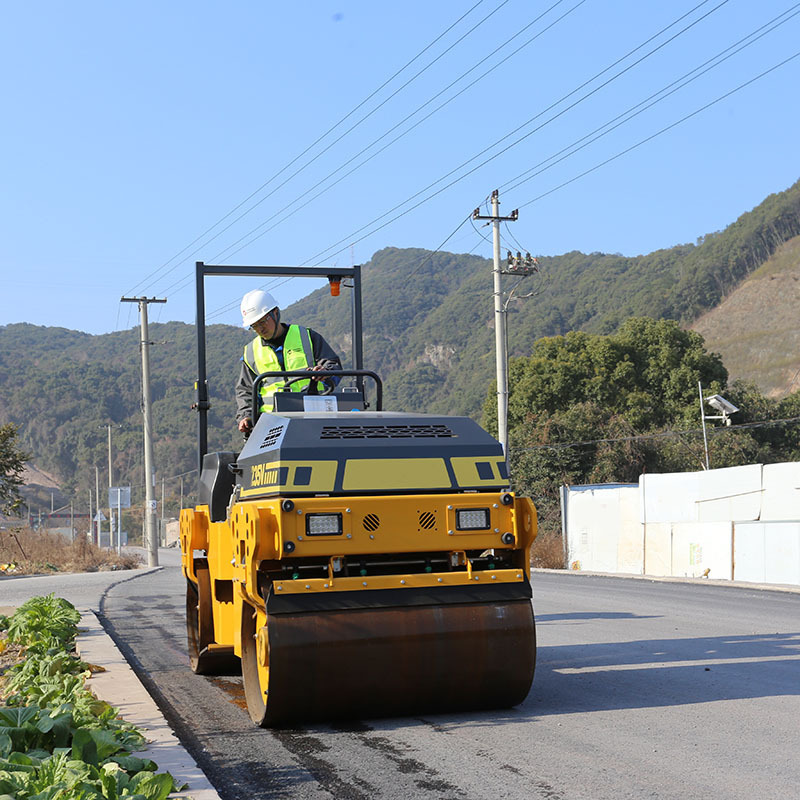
500	344
97	502
110	484
149	467
163	504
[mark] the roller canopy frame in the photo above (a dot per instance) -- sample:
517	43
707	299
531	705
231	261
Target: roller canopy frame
202	404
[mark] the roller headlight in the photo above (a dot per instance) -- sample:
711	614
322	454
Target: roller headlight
323	524
472	519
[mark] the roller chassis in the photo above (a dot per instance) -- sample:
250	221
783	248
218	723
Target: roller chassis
336	572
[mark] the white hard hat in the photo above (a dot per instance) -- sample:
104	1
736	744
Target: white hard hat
255	305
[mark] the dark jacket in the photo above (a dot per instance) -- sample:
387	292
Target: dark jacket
324	355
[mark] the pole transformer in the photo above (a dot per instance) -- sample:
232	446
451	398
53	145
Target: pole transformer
149	467
500	341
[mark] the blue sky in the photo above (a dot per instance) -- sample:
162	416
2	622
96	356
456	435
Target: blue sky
131	129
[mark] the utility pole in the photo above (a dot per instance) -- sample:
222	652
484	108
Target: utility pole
163	503
110	484
91	519
501	349
149	468
97	499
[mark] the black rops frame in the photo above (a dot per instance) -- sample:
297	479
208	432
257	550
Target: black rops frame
201	270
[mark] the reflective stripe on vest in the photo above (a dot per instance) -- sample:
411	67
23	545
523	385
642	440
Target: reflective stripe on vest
297	354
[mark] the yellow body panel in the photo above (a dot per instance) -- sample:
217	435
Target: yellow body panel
466	469
410	581
380	474
258	531
317	476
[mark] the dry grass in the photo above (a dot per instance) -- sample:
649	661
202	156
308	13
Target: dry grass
36	552
548	551
548	547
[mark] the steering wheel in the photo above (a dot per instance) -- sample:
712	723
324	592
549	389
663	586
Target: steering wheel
328	381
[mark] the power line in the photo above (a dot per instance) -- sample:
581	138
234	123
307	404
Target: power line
397	125
440	190
513	238
658	435
224	255
741	44
430	256
422	263
324	135
329	252
349	240
633	147
663	130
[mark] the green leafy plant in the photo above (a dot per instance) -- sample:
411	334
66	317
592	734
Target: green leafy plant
58	741
46	621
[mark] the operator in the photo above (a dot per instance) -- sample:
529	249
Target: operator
277	347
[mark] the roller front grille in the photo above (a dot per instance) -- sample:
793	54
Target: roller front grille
371	522
427	520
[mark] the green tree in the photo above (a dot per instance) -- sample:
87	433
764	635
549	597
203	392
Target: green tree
593	408
12	465
647	374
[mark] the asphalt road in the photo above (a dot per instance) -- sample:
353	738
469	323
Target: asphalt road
643	690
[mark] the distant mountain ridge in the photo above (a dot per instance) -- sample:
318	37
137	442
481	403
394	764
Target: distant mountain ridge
428	329
755	327
432	334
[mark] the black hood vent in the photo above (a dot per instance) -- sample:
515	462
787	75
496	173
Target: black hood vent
386	432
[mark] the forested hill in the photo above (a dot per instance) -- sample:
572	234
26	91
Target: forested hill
428	323
62	387
428	317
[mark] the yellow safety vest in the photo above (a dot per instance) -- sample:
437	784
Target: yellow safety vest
297	354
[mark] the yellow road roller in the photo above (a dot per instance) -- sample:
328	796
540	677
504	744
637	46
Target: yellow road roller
355	562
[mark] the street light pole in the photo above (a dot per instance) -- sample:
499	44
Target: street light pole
703	419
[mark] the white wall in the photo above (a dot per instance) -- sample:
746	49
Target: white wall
740	523
767	552
600	520
714	495
781	497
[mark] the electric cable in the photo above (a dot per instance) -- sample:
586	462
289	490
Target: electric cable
663	130
444	177
223	309
741	44
323	136
531	132
514	143
657	435
397	125
325	252
513	238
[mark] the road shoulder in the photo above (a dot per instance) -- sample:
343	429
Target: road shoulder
119	686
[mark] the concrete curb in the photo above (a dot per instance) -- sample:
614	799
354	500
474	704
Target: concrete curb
723	584
120	687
